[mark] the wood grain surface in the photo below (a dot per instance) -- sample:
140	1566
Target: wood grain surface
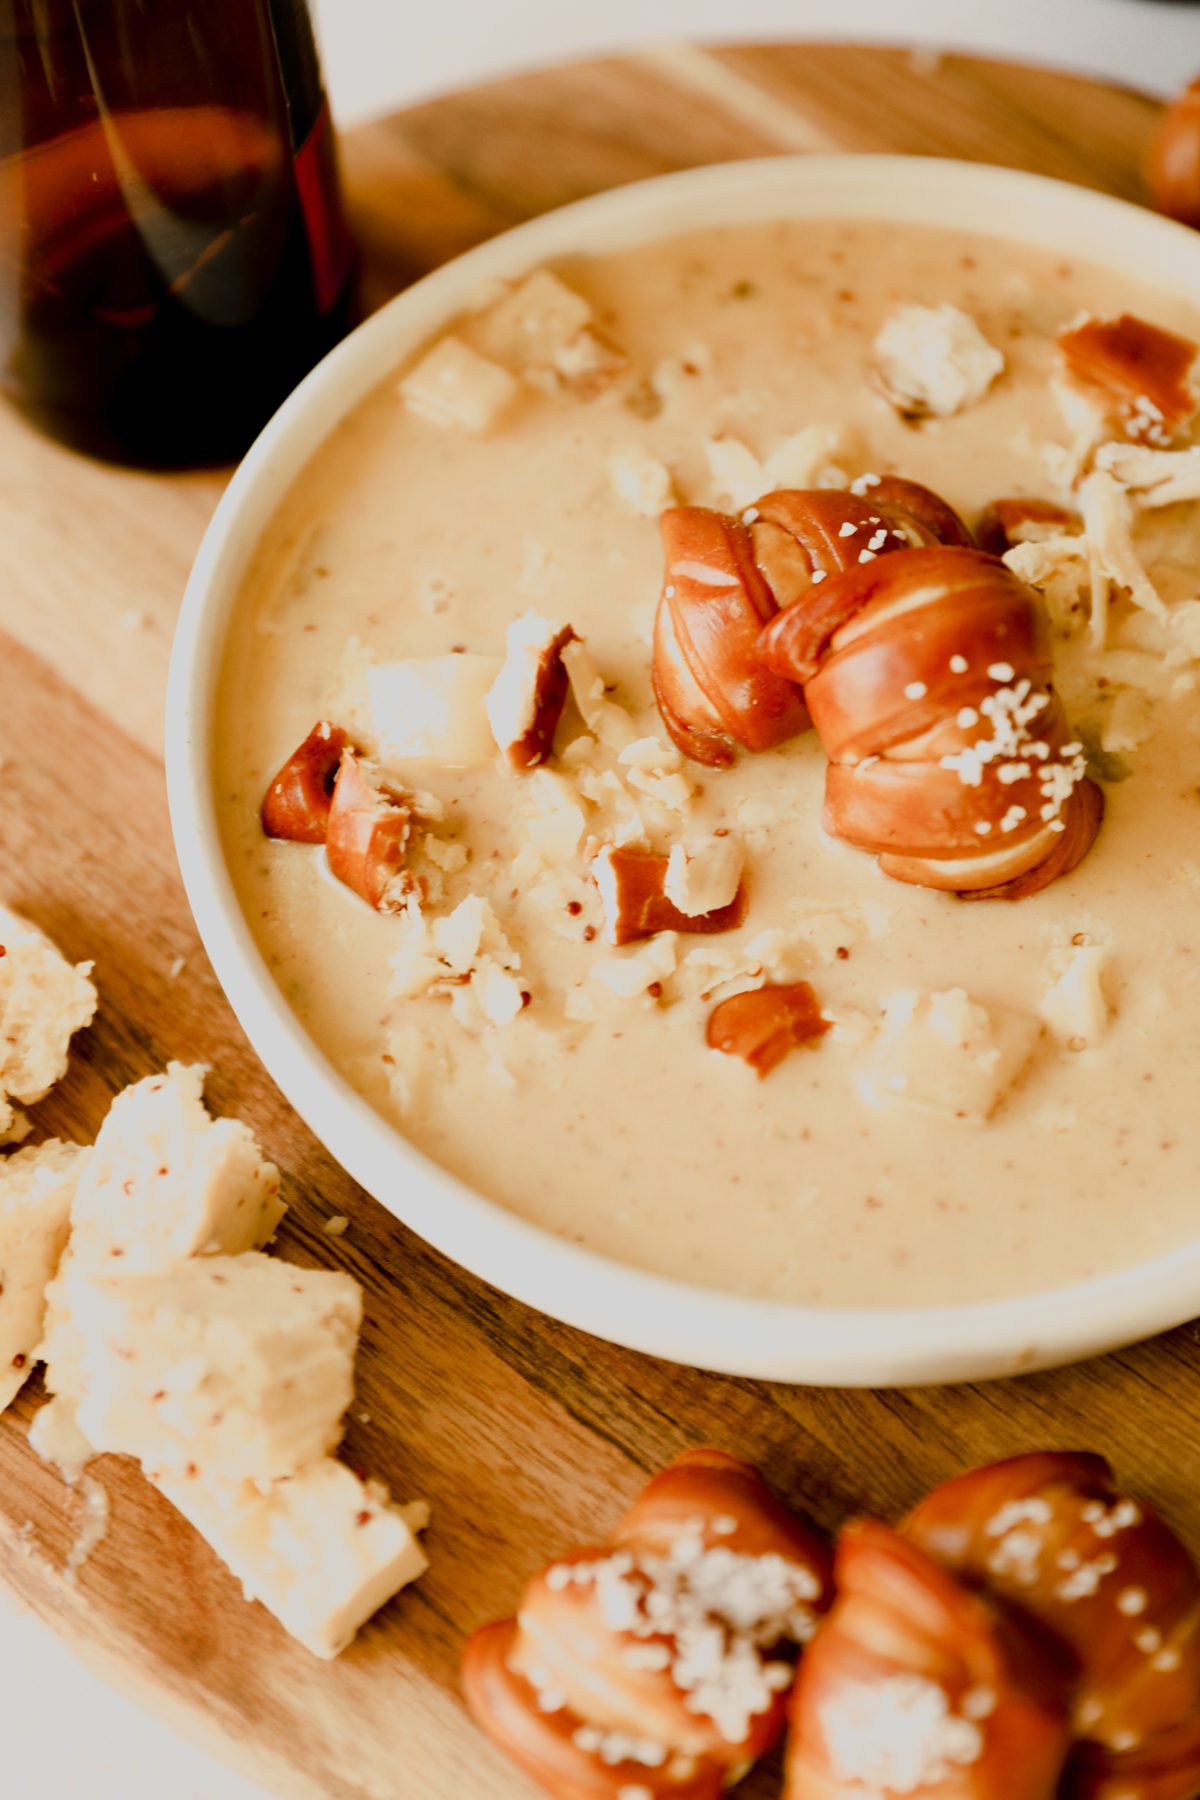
526	1436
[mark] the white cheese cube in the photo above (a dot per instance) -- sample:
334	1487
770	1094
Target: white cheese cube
37	1187
534	322
935	359
433	708
321	1551
1075	1006
946	1053
166	1181
238	1366
453	385
44	1000
703	875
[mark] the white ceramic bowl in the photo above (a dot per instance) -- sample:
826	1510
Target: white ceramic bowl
844	1346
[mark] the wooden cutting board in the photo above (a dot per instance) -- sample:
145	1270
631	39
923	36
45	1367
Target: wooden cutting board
526	1436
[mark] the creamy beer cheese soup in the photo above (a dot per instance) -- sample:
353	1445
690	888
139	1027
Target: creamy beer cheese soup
989	1097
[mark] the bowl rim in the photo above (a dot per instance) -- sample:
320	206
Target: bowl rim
867	1346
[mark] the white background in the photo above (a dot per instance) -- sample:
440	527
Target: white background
64	1736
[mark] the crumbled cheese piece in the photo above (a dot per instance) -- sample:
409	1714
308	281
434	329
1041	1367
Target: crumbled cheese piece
322	1550
737	475
37	1187
1058	566
1084	417
336	1225
1154	477
655	769
946	1053
605	720
1075	1006
935	359
806	459
434	708
1130	719
835	926
444	854
651	756
630	971
899	1734
704	875
453	385
554	825
587	362
533	323
671	375
641	480
166	1181
466	953
1108	521
461	936
44	1000
238	1366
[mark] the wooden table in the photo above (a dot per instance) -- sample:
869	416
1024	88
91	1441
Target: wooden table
527	1436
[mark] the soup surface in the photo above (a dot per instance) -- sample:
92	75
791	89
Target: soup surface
601	1115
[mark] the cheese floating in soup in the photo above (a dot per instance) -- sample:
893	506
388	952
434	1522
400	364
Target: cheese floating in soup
1000	1097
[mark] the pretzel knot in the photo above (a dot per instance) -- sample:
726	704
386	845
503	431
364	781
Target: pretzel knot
928	677
657	1665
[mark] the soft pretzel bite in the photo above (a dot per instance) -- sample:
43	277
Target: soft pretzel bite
543	1742
712	689
667	1653
916	1689
928	678
1108	1579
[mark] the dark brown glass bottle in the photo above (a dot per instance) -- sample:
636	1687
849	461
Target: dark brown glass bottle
173	256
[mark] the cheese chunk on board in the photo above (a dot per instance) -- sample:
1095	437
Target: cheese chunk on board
44	1000
321	1551
167	1181
37	1187
239	1368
